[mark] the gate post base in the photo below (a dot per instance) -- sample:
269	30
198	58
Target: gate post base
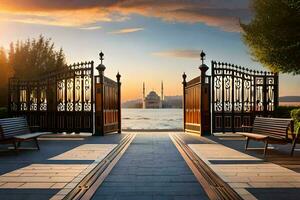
98	133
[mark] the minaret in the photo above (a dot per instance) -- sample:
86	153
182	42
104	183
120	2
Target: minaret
144	93
144	90
162	91
162	94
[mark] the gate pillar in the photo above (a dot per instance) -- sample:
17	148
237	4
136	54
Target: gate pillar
99	99
184	101
119	102
205	116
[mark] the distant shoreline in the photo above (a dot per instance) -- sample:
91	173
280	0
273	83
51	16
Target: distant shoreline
175	102
287	103
281	103
152	130
152	108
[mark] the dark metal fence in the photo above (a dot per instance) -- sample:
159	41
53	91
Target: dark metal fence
64	100
239	94
231	97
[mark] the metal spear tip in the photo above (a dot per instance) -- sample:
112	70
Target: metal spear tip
101	54
202	55
118	76
101	67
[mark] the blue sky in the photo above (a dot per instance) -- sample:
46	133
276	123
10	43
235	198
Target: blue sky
144	42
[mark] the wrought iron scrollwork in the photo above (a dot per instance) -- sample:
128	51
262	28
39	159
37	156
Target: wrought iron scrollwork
60	100
78	96
33	99
61	95
43	99
70	98
87	93
240	93
23	100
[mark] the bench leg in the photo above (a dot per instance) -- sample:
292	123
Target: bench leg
37	143
266	148
247	143
16	147
294	145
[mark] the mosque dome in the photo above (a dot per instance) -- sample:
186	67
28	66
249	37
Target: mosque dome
152	96
153	100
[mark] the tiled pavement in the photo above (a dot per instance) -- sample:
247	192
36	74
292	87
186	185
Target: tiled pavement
151	168
54	170
248	174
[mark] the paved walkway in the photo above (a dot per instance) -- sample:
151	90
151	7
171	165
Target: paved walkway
54	170
250	176
151	168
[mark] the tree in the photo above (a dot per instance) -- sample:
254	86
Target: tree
29	59
273	35
5	73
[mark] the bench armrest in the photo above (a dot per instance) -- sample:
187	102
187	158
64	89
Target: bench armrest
248	128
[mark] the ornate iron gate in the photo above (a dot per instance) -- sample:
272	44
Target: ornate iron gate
60	101
65	100
239	94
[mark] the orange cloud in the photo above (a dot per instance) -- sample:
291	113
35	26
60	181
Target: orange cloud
127	30
219	13
89	28
67	18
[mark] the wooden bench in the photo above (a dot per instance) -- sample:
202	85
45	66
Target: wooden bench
16	130
270	131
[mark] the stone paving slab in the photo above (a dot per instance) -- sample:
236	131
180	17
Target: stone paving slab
250	176
54	170
86	152
151	168
16	194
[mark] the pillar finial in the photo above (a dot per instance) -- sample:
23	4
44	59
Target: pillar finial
184	78
118	76
101	55
202	55
101	67
203	67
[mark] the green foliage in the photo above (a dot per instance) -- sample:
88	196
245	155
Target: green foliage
295	114
273	35
284	111
29	59
6	72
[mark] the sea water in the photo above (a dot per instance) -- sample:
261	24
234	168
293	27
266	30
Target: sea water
160	119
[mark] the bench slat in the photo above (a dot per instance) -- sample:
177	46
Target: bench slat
14	130
273	130
11	127
272	127
253	135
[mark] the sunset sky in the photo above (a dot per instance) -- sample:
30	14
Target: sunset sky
145	40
